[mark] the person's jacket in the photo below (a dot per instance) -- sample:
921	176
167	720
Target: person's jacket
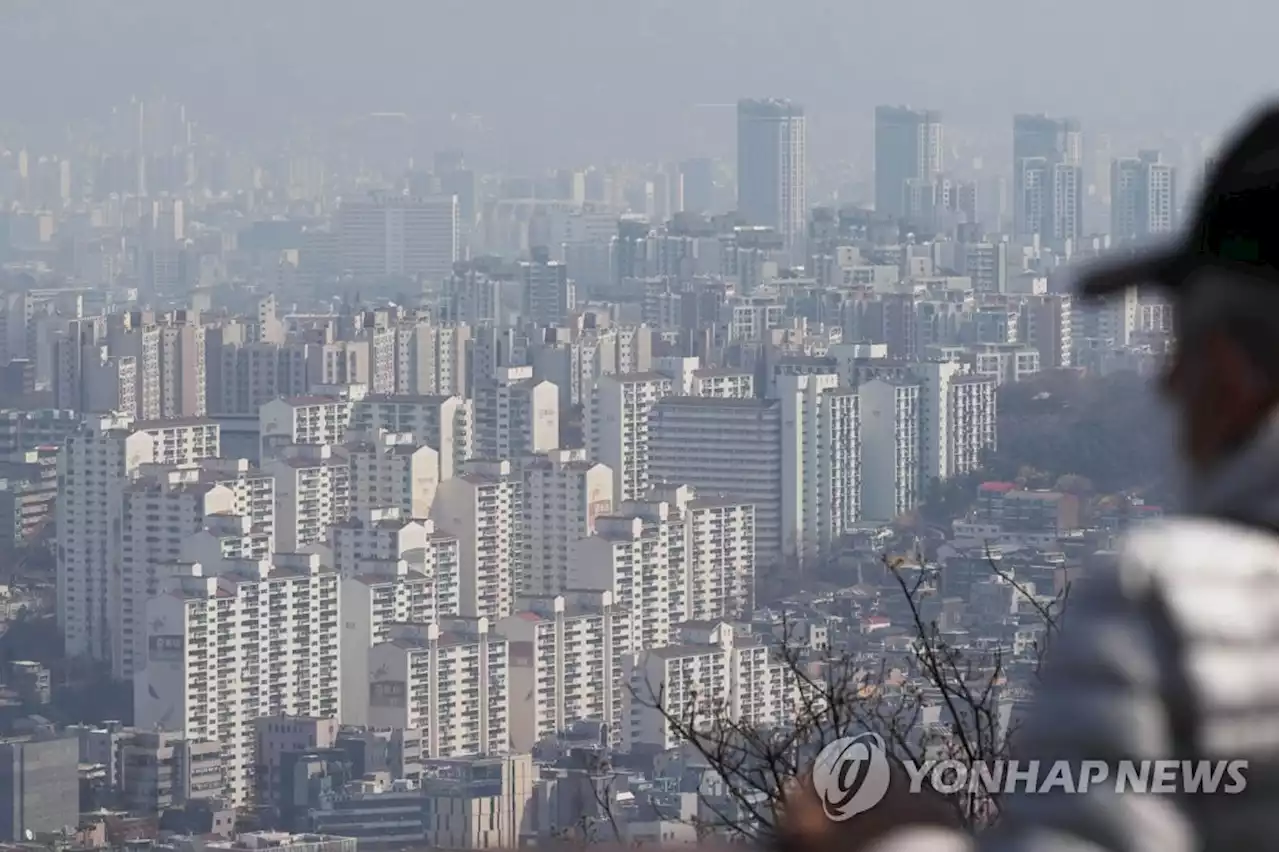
1170	654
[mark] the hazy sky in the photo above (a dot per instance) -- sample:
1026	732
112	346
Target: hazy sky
585	75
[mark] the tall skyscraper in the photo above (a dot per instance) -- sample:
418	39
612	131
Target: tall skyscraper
771	167
908	148
1047	179
699	184
1142	196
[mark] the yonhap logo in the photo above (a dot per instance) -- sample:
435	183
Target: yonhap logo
851	775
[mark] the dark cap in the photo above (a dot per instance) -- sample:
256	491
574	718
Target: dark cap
1234	225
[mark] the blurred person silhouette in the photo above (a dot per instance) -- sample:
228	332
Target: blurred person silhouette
1171	652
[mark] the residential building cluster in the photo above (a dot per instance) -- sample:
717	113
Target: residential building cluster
425	515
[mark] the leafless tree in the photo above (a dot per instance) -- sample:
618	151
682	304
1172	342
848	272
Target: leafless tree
940	698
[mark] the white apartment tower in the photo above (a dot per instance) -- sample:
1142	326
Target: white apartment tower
936	432
159	514
385	592
484	509
377	535
94	467
516	415
618	428
315	420
972	422
450	680
890	410
717	675
431	359
722	383
233	642
245	374
370	361
567	662
564	494
635	554
182	370
1042	144
820	470
719	569
391	471
253	492
313	490
444	423
384	536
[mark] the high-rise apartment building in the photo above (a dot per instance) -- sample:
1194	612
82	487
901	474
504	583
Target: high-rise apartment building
94	467
391	471
1048	184
313	491
890	409
1056	139
385	592
386	535
444	423
243	375
159	514
1051	200
516	415
1143	196
717	674
908	147
936	434
635	553
794	458
971	422
820	472
483	508
431	359
234	641
449	679
1045	322
564	494
617	426
566	664
313	420
391	235
472	295
547	292
717	577
369	360
772	189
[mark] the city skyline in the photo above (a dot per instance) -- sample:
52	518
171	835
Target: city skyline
487	425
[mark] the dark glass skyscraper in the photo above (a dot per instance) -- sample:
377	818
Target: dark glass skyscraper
771	167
